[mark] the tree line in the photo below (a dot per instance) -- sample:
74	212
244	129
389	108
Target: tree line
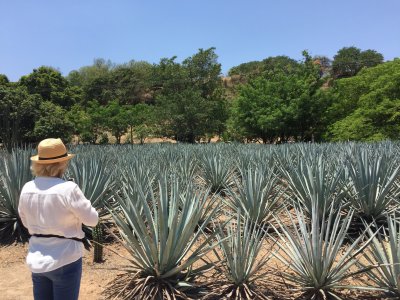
354	96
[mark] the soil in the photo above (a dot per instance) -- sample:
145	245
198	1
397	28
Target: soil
15	277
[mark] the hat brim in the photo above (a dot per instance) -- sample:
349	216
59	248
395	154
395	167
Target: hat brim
51	161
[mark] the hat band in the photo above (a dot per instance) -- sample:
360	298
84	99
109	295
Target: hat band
55	157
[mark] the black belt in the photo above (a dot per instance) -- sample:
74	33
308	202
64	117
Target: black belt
57	236
85	241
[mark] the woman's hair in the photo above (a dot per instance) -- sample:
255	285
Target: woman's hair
49	170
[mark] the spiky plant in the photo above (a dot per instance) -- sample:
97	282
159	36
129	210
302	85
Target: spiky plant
138	174
218	171
14	173
163	243
213	205
243	261
314	181
185	169
94	176
257	194
315	256
384	253
373	190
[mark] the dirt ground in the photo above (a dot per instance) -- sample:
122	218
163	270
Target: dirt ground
15	277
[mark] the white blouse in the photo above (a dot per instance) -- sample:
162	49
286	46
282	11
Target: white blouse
50	205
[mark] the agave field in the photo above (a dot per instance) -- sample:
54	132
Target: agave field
234	221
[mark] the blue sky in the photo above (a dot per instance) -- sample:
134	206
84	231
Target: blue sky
71	34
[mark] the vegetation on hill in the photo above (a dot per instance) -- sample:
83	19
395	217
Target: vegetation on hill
355	96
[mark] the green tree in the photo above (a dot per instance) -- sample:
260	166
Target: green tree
141	121
95	82
82	124
190	98
4	80
249	69
97	122
350	60
367	105
277	65
132	83
51	86
282	104
18	111
268	68
262	110
184	115
370	58
113	117
53	122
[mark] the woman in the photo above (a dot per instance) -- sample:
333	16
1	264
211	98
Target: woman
53	210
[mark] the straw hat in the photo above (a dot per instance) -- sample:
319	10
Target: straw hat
51	151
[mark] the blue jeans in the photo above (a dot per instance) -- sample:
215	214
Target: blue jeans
60	284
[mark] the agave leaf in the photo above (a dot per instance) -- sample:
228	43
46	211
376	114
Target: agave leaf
160	233
373	184
317	264
218	171
14	173
384	252
94	175
241	246
257	194
313	180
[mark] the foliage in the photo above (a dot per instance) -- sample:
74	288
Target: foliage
281	104
18	111
243	260
268	68
162	241
14	173
131	83
113	119
217	171
141	121
4	80
52	122
257	194
350	60
190	97
82	123
94	81
373	188
93	174
384	253
314	253
51	86
277	99
247	70
368	104
315	183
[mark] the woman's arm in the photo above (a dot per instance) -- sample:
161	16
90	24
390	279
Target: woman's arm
82	208
21	212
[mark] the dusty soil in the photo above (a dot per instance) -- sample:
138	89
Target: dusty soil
15	277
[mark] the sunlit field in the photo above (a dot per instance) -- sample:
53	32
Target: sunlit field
228	221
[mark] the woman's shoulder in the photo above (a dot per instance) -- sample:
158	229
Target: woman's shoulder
28	186
52	185
69	185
